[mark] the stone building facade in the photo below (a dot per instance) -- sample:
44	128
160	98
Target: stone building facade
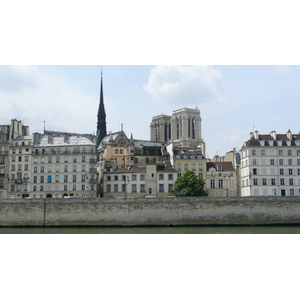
270	165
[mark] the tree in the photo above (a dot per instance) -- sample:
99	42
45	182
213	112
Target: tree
189	185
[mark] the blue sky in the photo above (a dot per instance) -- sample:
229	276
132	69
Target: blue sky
232	99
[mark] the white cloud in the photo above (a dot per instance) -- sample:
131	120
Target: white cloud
185	85
34	97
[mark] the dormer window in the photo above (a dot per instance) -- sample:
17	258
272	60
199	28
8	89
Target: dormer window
262	143
279	143
288	143
271	143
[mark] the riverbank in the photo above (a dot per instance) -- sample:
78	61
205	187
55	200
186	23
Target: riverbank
150	212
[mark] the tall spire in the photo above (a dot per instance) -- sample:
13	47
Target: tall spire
101	117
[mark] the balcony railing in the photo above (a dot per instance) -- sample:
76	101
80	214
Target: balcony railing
92	180
92	170
63	152
93	160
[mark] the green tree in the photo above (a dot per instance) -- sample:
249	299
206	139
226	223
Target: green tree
189	185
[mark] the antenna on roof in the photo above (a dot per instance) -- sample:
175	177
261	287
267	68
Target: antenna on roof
44	125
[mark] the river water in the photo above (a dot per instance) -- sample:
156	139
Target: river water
267	229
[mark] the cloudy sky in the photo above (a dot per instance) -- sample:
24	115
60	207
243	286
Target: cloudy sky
232	99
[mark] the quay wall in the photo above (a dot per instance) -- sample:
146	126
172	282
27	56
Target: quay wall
153	211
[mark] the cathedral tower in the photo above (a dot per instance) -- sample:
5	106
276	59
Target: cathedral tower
101	117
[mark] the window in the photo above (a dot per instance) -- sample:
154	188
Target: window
254	162
83	187
74	187
142	188
65	187
26	158
116	151
42	160
74	168
65	168
281	181
108	188
83	159
57	159
179	167
133	177
289	152
133	188
34	169
83	178
83	168
66	159
193	167
42	179
280	152
264	181
34	179
253	152
13	158
291	192
263	152
20	158
65	178
116	188
170	176
26	168
290	171
254	171
57	178
142	177
74	159
49	178
281	172
74	178
291	181
200	167
290	161
161	188
212	184
41	188
161	176
272	161
108	178
280	161
186	167
273	181
254	181
170	187
221	184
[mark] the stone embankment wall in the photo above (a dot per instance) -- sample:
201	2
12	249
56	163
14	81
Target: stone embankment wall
154	211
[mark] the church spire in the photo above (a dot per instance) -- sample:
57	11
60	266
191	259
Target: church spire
101	117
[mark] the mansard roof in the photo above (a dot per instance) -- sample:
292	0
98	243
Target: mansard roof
287	139
225	165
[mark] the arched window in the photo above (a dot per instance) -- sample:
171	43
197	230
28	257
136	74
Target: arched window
193	128
121	151
116	151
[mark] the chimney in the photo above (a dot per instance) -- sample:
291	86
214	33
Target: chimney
289	135
251	135
273	134
256	135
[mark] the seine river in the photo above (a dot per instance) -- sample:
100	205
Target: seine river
287	229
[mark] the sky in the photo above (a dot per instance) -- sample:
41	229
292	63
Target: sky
233	99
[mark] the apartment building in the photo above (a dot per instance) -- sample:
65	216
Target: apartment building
270	165
63	165
221	179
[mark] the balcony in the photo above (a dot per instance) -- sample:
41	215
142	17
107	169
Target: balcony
93	161
93	170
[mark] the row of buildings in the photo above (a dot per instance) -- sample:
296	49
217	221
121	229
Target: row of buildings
57	164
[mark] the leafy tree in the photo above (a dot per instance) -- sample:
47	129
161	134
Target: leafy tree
189	185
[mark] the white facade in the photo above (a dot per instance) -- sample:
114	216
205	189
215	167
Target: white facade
270	165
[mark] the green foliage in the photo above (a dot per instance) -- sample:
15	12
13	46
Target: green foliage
189	185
